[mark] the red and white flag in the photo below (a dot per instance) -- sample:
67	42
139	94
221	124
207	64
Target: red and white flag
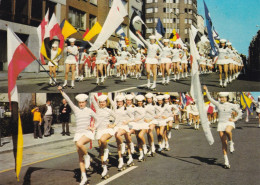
41	30
19	57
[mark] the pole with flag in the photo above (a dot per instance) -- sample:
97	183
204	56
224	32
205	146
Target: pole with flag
159	31
19	57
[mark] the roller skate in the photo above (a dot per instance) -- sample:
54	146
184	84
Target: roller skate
104	174
231	146
168	80
132	148
152	150
163	81
174	79
225	83
145	149
122	148
122	78
84	180
167	148
130	161
97	82
121	164
102	80
106	152
148	84
153	88
141	157
169	135
65	85
220	83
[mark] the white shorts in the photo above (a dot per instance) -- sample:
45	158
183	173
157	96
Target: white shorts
175	60
151	61
166	61
100	62
100	133
222	126
89	134
123	127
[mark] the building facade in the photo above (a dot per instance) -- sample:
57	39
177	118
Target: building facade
174	14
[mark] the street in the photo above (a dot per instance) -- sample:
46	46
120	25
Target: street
190	161
112	84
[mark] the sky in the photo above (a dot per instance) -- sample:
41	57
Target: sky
234	20
255	95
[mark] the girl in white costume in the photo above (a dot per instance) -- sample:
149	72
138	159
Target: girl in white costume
152	59
158	109
258	110
226	122
209	64
176	114
125	56
150	120
222	62
105	130
202	62
84	131
195	116
166	55
176	60
184	61
140	126
138	61
71	62
123	117
53	65
101	58
83	58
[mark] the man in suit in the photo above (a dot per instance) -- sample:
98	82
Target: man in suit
47	113
65	111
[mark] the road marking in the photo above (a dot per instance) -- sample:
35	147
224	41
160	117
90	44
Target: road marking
117	175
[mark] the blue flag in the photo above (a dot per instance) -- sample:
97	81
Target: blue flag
120	31
159	28
214	50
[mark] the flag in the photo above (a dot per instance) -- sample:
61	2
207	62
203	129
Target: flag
188	99
246	102
174	35
196	91
114	18
160	31
41	32
214	50
67	29
136	39
53	30
19	57
134	19
183	100
120	31
89	34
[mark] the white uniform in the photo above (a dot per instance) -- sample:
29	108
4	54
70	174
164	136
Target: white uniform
84	55
176	55
184	59
138	58
167	112
222	56
83	118
150	114
53	55
139	113
224	113
166	52
258	107
202	60
72	52
102	54
125	56
194	110
231	55
103	120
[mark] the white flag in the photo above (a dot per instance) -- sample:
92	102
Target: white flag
134	37
196	91
114	18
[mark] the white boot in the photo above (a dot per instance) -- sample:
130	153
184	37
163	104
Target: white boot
186	74
152	147
168	80
145	149
132	147
163	144
106	151
102	79
225	83
50	81
84	179
160	147
231	146
227	165
125	77
104	173
169	135
72	84
55	81
87	161
167	145
121	163
174	78
122	78
154	85
230	79
182	75
65	83
220	83
122	148
148	83
178	77
141	157
130	160
163	81
97	82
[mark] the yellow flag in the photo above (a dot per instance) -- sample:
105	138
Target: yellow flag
96	29
67	29
19	153
245	101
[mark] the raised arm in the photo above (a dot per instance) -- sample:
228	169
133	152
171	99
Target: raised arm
72	106
210	98
159	43
239	113
113	103
143	40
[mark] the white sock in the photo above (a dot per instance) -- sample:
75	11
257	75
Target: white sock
65	82
72	82
226	160
50	81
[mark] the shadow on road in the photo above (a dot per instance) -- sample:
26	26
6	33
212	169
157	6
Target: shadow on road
209	161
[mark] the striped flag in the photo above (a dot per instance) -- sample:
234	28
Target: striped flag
90	34
120	31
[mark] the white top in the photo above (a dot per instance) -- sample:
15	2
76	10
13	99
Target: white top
167	52
176	53
139	56
125	55
53	55
49	110
83	56
152	48
225	110
139	113
166	110
72	51
102	54
222	54
149	111
83	116
184	56
176	109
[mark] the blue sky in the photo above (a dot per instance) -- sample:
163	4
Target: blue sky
234	20
255	95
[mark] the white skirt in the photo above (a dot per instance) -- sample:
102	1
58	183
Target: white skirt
222	126
164	122
138	62
184	61
166	61
50	64
222	61
123	62
138	126
123	127
101	132
202	63
175	60
71	60
89	134
151	61
258	110
152	122
230	61
101	62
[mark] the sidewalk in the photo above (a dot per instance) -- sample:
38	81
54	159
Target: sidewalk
29	141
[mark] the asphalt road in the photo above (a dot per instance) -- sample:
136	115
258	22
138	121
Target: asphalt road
131	85
190	161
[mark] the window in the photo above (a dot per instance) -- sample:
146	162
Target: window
155	20
149	30
92	20
186	10
155	10
178	21
94	2
77	18
186	21
177	10
190	1
190	21
149	10
185	1
21	9
149	1
149	20
186	31
5	10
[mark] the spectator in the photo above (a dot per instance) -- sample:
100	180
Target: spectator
47	114
37	121
65	111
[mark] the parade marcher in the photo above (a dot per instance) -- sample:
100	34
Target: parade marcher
123	117
152	59
83	58
124	59
71	62
101	57
176	60
222	62
184	62
202	62
65	111
226	122
195	116
47	114
84	131
165	60
53	63
159	127
138	61
176	114
37	122
105	130
232	62
258	110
